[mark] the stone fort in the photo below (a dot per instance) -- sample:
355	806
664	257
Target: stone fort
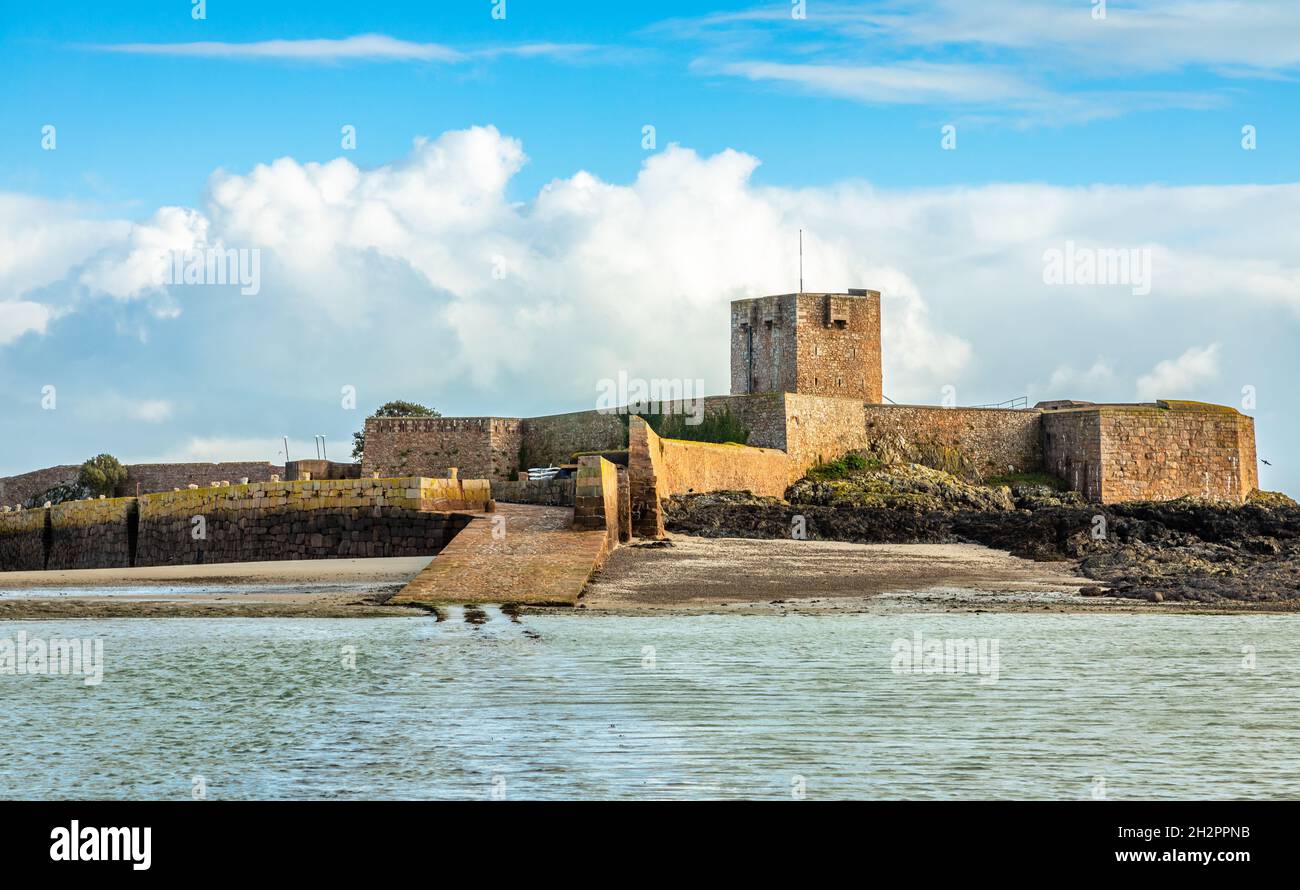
806	384
806	381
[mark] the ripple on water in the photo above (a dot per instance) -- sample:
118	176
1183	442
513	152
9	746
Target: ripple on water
564	706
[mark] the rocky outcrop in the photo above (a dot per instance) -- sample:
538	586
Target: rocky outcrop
902	486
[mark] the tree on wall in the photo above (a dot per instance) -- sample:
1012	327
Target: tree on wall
396	408
101	475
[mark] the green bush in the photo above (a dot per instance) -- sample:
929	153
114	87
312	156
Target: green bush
842	467
101	475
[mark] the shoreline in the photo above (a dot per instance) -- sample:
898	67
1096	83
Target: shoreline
686	575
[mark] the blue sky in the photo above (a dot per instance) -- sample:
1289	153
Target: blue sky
1117	132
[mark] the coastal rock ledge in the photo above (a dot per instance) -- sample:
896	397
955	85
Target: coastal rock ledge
1185	550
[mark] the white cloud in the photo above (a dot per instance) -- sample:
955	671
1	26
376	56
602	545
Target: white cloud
423	278
1095	383
1040	60
44	239
1179	378
136	265
1138	35
368	47
904	83
152	410
18	317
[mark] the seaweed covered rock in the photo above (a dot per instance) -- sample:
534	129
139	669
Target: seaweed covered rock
898	486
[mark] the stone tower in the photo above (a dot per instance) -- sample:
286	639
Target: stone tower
817	344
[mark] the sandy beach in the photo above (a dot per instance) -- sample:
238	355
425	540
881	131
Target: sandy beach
685	573
715	574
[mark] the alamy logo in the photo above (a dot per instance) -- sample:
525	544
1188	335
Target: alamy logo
947	655
1091	265
90	844
214	265
37	657
636	395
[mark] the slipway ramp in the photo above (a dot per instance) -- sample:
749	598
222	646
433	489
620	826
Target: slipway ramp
518	554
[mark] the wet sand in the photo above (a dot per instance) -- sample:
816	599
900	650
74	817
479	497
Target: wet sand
688	575
318	588
712	574
289	571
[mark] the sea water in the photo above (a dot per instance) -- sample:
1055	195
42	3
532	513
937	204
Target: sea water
572	705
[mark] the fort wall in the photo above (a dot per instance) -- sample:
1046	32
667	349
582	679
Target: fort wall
95	534
150	478
1159	451
242	523
995	440
295	470
554	439
164	477
23	540
596	504
481	447
542	492
643	480
1072	450
15	490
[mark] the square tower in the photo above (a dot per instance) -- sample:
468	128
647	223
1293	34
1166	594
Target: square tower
816	344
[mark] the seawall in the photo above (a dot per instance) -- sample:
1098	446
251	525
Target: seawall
317	519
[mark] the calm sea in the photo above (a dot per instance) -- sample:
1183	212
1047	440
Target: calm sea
597	706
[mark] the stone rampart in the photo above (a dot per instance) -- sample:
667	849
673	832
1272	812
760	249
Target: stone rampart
596	498
1158	451
242	523
994	440
94	534
543	492
23	540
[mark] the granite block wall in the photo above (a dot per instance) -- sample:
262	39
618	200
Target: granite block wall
1158	451
242	523
642	479
305	520
596	498
996	440
95	534
22	540
554	439
295	470
547	493
164	477
481	447
1072	450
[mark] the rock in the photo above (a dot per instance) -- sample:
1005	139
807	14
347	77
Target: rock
911	486
1091	591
